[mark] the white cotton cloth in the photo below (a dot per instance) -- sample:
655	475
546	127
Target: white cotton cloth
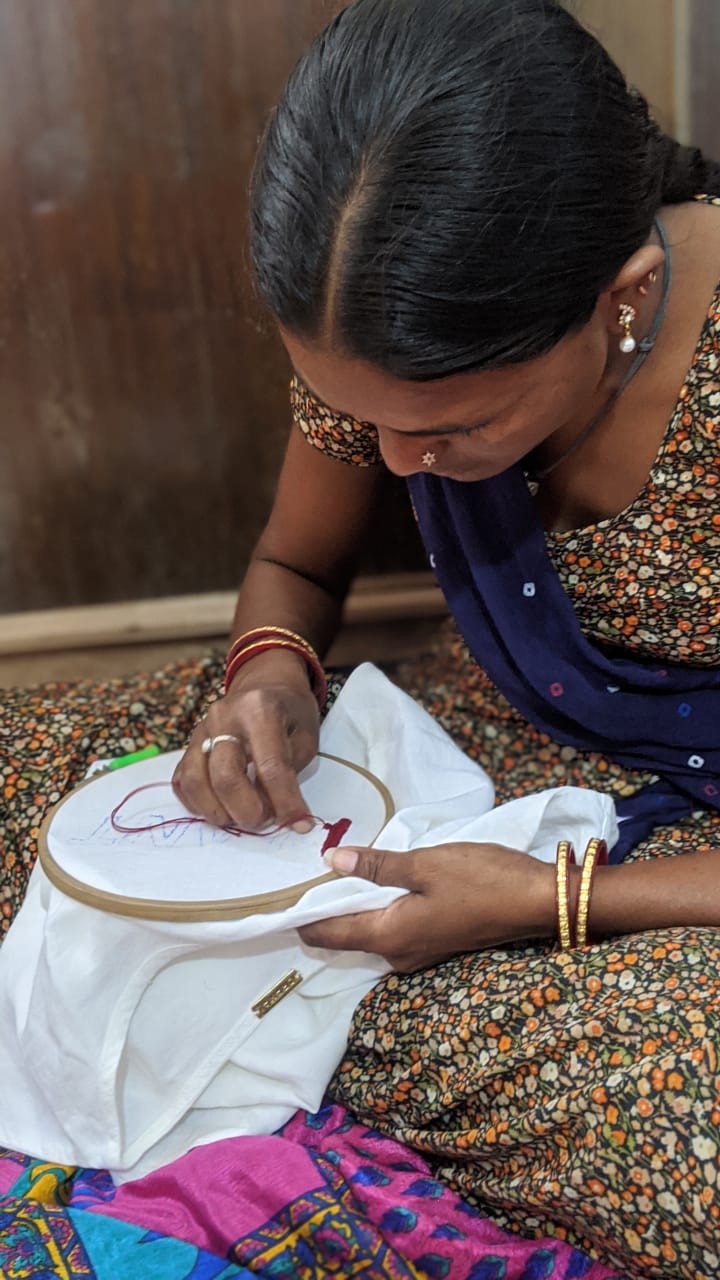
125	1042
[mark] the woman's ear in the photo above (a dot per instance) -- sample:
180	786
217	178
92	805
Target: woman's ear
639	278
639	274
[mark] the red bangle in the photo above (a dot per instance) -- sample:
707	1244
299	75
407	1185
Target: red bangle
573	900
266	633
262	646
318	681
233	664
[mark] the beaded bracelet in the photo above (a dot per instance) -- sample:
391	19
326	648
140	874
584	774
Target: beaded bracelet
596	855
248	646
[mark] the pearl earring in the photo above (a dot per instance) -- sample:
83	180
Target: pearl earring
625	318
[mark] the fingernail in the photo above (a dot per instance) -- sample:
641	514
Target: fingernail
302	826
344	861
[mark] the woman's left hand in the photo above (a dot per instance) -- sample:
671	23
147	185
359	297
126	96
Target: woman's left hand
463	897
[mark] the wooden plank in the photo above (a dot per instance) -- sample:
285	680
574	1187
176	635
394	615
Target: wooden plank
199	617
380	642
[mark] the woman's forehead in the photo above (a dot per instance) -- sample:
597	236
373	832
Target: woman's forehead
360	390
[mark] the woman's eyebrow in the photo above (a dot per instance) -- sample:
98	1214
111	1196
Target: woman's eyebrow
441	431
425	433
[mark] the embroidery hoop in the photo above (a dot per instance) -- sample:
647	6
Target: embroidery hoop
202	911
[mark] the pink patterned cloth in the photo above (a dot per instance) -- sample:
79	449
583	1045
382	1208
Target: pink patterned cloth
325	1197
10	1171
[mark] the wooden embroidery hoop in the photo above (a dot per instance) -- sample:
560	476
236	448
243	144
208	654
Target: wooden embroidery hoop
188	912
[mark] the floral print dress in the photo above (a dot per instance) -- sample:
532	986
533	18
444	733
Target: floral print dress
574	1094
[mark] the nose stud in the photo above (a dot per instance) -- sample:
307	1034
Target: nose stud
429	459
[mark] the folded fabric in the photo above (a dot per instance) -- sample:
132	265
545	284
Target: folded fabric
125	1042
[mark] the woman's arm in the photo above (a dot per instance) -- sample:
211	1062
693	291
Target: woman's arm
658	893
298	578
301	568
466	897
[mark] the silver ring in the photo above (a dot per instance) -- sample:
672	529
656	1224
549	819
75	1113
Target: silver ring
209	743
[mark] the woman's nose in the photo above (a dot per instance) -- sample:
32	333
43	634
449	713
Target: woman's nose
405	456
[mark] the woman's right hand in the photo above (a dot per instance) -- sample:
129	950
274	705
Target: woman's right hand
273	713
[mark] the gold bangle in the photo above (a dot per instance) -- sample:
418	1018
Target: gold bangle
565	855
256	633
318	680
595	853
263	646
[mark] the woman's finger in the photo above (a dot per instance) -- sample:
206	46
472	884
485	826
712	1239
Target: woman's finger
271	749
227	770
373	931
191	783
365	931
382	866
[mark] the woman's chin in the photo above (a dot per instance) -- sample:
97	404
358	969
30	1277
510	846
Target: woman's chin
470	473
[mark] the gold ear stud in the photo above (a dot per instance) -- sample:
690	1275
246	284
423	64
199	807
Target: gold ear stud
644	288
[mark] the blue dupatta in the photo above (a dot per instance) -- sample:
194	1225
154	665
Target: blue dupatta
490	556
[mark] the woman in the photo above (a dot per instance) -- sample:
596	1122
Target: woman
472	237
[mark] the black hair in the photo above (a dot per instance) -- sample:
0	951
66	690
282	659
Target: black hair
448	185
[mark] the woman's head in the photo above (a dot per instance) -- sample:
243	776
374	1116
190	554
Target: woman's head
449	185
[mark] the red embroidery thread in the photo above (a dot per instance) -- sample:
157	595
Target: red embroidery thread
335	830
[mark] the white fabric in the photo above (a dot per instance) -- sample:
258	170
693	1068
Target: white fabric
184	863
125	1042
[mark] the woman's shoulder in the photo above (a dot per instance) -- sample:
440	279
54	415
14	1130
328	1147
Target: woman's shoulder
343	438
695	235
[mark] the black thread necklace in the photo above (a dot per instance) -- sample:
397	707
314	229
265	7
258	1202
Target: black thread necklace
535	477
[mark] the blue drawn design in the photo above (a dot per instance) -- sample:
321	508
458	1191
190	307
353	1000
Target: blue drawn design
578	1266
363	1151
368	1176
540	1265
424	1188
399	1220
468	1209
91	1187
447	1232
317	1121
208	1267
435	1266
489	1268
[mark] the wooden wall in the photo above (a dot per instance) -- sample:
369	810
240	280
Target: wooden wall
143	402
142	392
703	80
671	50
641	36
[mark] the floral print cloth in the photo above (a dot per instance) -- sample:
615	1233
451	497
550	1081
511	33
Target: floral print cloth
576	1094
572	1096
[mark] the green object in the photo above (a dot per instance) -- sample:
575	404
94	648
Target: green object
146	754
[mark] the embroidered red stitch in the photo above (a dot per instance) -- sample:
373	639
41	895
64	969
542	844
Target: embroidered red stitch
335	830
